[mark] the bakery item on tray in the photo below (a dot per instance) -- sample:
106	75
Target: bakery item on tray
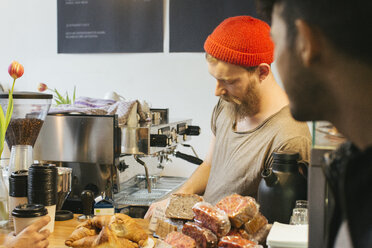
203	237
240	209
80	232
126	227
179	240
100	221
211	217
118	230
180	206
84	242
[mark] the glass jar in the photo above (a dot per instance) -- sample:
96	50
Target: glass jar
4	215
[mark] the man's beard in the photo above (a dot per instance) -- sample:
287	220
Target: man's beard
248	106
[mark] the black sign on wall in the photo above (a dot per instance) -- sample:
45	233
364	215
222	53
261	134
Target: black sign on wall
110	26
191	21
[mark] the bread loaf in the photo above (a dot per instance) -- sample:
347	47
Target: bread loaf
180	206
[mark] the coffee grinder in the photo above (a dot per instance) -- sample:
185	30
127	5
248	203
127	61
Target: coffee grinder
29	112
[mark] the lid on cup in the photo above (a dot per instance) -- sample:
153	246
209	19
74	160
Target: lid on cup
29	211
18	183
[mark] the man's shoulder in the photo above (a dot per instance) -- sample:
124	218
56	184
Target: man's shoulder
285	124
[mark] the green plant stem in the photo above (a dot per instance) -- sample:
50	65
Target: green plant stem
5	121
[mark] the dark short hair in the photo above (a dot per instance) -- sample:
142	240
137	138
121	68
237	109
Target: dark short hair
345	23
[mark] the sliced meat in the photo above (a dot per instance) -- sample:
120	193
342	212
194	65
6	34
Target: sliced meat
204	237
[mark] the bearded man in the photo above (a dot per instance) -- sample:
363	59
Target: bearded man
251	119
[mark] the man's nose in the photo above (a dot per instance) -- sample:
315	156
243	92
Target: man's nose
220	90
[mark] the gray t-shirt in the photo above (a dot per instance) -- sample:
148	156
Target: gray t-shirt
239	157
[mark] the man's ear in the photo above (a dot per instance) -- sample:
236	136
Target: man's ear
263	70
307	42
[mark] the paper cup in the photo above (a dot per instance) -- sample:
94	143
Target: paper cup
26	214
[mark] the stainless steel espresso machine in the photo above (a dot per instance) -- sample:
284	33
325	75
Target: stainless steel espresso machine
95	147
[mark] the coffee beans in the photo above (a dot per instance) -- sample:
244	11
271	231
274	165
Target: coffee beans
23	131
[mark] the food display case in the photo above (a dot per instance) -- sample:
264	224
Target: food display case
326	139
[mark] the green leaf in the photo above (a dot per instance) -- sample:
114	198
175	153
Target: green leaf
2	130
73	99
57	101
60	97
67	98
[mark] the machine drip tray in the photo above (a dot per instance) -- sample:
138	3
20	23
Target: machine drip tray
134	192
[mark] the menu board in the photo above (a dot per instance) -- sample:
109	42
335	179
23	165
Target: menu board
191	21
110	26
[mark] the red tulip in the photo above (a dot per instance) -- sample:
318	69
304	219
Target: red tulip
42	87
15	70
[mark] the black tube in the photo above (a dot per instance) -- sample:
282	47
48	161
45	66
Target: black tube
189	158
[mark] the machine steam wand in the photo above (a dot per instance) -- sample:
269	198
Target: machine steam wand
146	172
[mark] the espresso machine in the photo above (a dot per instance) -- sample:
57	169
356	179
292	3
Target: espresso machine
96	148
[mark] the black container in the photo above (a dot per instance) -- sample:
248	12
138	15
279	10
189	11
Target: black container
42	184
281	185
18	184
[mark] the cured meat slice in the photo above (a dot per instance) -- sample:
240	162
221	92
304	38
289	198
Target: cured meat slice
212	218
240	209
179	240
236	242
204	237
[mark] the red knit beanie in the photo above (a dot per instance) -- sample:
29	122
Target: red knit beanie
241	40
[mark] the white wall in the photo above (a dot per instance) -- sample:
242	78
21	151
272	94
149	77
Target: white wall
179	81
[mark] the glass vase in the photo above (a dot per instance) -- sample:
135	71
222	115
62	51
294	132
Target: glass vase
4	213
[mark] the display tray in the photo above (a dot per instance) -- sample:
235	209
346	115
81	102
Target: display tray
134	192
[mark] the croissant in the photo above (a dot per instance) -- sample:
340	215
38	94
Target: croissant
88	224
84	242
79	233
148	243
124	226
101	220
106	239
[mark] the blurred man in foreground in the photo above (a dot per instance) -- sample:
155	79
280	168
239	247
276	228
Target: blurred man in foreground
324	56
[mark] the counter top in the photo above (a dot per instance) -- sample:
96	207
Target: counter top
62	229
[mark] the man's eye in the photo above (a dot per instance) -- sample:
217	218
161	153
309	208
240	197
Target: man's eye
230	81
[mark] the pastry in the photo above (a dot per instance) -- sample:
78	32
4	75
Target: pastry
80	233
180	206
124	226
